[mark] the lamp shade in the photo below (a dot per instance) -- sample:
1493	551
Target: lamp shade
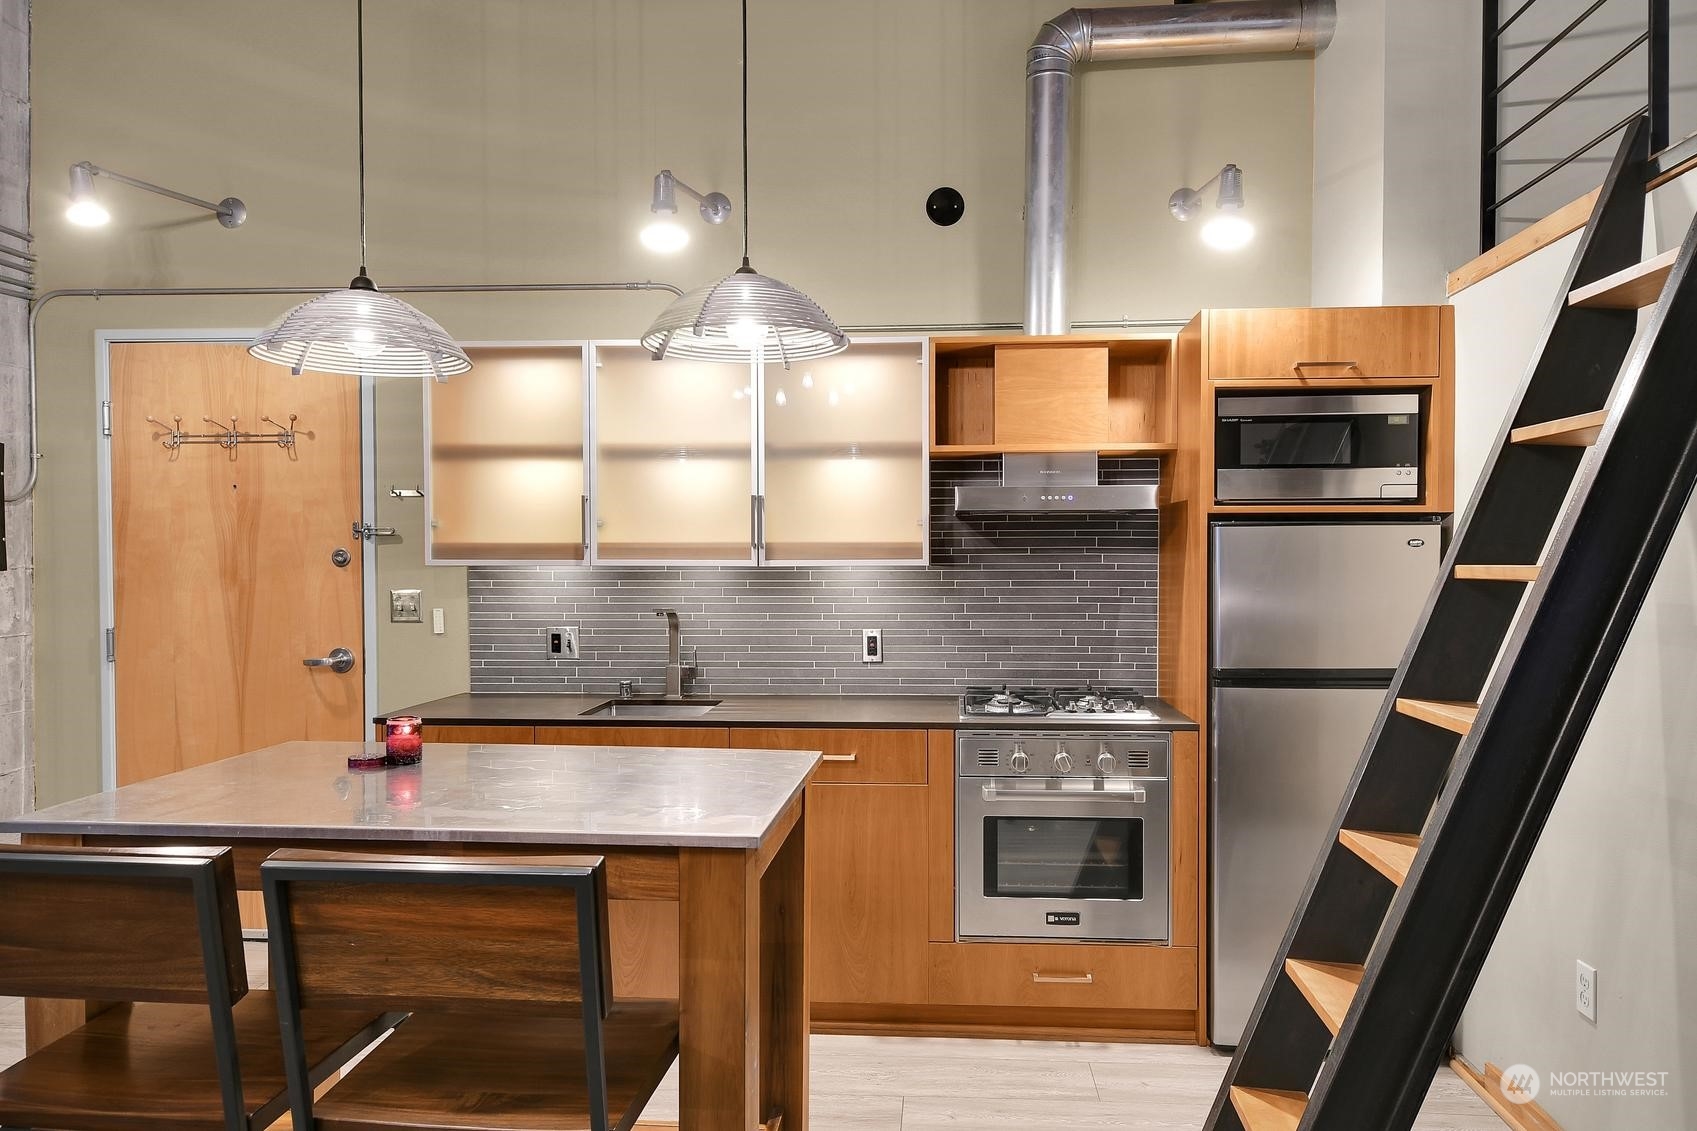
727	320
359	329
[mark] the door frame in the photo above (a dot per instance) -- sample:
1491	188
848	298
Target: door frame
104	340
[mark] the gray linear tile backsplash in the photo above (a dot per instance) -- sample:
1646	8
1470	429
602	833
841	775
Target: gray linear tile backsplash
1006	599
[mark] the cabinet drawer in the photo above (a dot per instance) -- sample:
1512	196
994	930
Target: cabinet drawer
890	757
710	737
1340	342
518	735
1063	975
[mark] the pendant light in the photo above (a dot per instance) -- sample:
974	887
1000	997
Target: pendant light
359	329
734	318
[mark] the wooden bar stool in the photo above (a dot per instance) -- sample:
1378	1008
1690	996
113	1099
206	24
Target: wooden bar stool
184	1044
501	962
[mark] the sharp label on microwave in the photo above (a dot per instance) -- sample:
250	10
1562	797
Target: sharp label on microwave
1324	448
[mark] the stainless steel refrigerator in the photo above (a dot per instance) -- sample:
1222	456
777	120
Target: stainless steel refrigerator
1310	621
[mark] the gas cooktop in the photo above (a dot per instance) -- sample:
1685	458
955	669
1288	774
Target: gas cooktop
1106	704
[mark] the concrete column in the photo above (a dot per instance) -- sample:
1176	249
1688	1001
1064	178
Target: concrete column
17	621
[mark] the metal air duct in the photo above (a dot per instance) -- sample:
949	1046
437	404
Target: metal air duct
1088	35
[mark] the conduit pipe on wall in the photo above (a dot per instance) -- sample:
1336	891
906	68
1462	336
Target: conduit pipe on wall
1091	35
34	471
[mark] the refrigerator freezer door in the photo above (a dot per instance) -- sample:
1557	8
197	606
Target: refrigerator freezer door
1329	597
1282	757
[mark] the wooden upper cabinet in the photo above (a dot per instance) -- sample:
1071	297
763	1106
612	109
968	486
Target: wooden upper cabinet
1328	342
1051	394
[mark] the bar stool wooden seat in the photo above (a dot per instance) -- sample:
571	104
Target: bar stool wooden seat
502	964
183	1044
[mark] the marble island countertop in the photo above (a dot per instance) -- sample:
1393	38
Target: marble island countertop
564	795
929	712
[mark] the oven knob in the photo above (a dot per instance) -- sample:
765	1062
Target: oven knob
1063	761
1105	760
1019	760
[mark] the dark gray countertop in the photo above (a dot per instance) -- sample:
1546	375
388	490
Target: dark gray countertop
565	795
930	712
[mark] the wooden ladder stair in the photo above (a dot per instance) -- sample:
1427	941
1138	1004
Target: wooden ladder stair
1543	579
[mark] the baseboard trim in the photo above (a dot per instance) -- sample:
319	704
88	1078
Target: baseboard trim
1520	1117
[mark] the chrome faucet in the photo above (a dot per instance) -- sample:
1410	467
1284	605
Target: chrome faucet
677	672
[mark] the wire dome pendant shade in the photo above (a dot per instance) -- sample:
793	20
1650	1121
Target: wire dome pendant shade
359	330
730	318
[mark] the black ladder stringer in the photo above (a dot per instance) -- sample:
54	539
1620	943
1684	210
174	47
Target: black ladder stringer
1588	480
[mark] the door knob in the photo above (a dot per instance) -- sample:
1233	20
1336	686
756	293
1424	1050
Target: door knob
339	660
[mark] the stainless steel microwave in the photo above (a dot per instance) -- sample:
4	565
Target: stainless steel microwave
1318	447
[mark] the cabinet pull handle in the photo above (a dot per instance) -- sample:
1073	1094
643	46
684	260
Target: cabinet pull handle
840	758
1063	979
1299	366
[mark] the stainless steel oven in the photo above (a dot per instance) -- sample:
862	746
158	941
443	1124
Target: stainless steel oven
1322	448
1062	836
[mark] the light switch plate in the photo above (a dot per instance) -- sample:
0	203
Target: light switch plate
871	645
437	624
406	606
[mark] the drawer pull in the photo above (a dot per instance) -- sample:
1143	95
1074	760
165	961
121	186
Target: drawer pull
840	758
1299	366
1063	979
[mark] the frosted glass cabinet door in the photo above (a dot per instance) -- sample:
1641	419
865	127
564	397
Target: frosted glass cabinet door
845	456
674	458
506	457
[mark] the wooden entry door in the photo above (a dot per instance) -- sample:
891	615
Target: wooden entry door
224	580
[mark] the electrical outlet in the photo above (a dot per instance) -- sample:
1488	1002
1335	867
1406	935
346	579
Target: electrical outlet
405	607
563	643
871	645
1585	991
437	624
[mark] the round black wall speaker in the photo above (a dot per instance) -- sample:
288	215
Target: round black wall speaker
945	206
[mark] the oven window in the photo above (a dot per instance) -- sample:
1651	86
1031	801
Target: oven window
1297	443
1063	857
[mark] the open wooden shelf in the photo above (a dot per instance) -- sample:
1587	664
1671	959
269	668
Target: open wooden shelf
1072	393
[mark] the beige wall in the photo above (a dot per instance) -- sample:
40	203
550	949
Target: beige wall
514	140
1614	877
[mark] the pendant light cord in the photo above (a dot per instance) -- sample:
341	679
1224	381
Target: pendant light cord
744	132
359	46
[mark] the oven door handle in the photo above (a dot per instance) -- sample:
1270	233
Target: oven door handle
1137	795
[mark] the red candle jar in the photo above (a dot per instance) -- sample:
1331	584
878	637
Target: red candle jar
403	740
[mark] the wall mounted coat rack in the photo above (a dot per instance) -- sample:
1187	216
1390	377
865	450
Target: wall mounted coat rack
227	438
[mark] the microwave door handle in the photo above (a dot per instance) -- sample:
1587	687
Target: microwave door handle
1137	795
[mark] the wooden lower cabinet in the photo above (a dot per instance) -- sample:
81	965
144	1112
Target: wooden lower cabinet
867	931
512	735
1060	976
713	738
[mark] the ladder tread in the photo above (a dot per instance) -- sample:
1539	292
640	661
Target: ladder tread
1328	986
1569	432
1634	288
1391	854
1496	572
1451	716
1264	1109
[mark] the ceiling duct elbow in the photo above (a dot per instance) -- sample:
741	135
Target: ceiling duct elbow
1152	31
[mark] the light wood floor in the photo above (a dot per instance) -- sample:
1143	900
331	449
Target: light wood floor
904	1084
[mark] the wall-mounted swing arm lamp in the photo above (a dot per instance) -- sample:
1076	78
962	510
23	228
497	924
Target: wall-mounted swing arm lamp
87	211
664	234
1227	229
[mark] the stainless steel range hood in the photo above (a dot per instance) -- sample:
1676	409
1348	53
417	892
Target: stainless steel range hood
1054	483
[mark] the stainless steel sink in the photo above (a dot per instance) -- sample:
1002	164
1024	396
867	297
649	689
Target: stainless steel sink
651	708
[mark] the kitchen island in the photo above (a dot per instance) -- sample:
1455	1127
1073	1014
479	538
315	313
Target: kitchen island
718	833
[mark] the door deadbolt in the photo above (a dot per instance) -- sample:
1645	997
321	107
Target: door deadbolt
340	557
